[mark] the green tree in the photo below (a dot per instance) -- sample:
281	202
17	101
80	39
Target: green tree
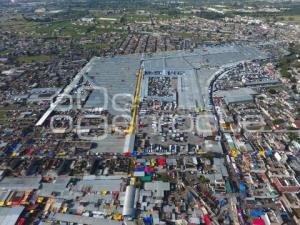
203	179
123	20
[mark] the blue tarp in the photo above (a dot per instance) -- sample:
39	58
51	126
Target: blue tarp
144	153
251	201
254	213
222	202
242	187
139	169
285	217
30	142
244	193
269	153
15	147
149	173
148	220
50	154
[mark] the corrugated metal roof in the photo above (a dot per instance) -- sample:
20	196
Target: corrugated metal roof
4	195
117	75
100	185
130	200
237	95
83	219
59	186
129	143
9	216
20	183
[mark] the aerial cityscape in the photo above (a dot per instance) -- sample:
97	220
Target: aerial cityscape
150	112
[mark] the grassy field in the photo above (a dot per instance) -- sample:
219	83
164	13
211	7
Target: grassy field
18	24
295	18
3	116
289	61
75	30
35	58
5	51
59	27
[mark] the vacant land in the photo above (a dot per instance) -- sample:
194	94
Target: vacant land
35	58
3	116
295	18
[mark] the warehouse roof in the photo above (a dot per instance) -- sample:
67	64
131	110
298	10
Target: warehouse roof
117	75
129	143
83	219
204	55
20	183
59	187
240	95
9	216
100	185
